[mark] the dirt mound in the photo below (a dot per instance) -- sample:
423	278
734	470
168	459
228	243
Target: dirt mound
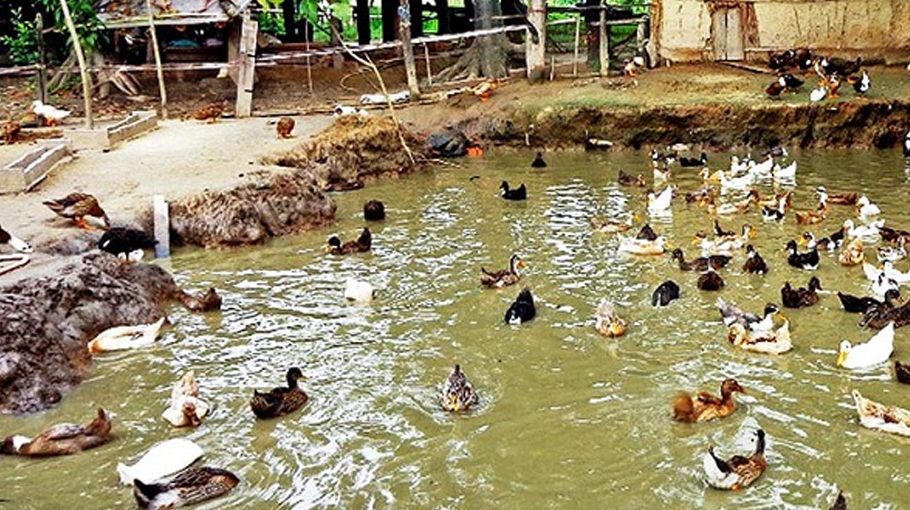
355	151
49	320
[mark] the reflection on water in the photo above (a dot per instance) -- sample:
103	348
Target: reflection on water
566	419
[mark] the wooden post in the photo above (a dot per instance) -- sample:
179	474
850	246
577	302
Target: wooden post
162	227
83	69
362	9
247	55
162	90
426	58
42	65
577	42
404	32
536	47
604	43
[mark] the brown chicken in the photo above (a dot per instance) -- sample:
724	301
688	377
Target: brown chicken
209	113
10	132
284	127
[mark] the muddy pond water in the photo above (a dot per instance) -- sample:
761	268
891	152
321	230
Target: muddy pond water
566	418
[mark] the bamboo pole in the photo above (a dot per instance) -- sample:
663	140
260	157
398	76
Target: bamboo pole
407	49
83	69
158	69
42	65
426	58
577	42
604	44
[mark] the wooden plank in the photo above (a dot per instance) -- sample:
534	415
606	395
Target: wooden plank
162	227
248	31
735	34
719	33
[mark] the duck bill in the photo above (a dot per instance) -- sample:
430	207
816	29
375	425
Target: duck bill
841	358
801	241
669	245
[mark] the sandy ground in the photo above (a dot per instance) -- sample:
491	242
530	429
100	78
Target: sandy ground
177	159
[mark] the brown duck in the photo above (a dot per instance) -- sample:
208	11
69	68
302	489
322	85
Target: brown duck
504	277
704	406
62	439
361	244
280	401
737	472
902	372
284	127
77	206
189	487
801	297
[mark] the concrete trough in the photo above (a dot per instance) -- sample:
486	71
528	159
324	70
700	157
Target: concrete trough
30	169
106	138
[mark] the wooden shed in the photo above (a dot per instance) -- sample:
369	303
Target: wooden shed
718	30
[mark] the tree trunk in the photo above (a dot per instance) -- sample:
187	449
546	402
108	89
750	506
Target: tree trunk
83	68
488	57
536	55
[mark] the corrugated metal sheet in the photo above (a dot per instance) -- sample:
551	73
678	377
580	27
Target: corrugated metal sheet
132	13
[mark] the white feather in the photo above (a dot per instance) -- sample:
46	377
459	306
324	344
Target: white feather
161	460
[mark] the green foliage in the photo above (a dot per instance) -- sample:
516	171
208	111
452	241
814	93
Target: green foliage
88	26
23	45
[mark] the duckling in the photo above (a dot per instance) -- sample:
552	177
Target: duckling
362	244
866	208
701	263
801	297
853	254
892	253
14	242
458	394
126	337
853	304
62	439
693	162
737	472
538	161
282	400
284	127
123	240
374	210
754	264
873	352
209	113
625	179
731	315
876	416
504	277
191	486
773	341
807	261
902	372
77	206
522	310
664	293
185	408
519	193
709	280
704	406
607	322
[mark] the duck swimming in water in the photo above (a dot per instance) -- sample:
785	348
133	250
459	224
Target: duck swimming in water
522	310
664	293
504	277
704	406
519	193
807	261
362	244
458	395
754	262
62	439
801	297
538	161
737	472
281	400
191	486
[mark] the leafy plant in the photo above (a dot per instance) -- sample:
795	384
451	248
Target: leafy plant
88	25
23	45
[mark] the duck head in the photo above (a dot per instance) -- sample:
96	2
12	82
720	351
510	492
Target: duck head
815	284
294	375
729	386
333	242
842	352
791	246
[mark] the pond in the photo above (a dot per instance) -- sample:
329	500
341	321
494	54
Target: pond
566	417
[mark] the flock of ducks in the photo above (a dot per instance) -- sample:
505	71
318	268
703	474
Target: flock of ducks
830	71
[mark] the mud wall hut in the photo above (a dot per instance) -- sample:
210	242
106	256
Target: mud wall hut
711	30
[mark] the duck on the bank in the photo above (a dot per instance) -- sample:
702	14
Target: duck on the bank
801	297
773	341
853	304
902	372
607	322
853	254
710	280
519	193
285	127
281	400
664	293
807	261
126	337
522	309
731	314
737	472
77	206
775	88
185	408
538	161
704	406
123	241
876	416
62	439
362	244
191	486
458	394
791	82
358	291
660	204
694	162
51	115
754	263
14	242
374	210
700	263
819	93
161	460
504	277
873	352
625	179
861	84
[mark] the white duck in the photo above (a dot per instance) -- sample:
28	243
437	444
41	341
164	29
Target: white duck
643	246
126	337
50	114
161	460
738	166
741	182
661	203
877	350
764	168
787	173
894	274
818	94
867	233
185	408
874	415
883	284
358	291
866	208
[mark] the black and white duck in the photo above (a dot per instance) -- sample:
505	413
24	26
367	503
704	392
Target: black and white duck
664	293
694	162
854	304
754	263
519	193
124	241
522	310
808	261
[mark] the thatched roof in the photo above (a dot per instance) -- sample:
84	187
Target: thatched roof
133	13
